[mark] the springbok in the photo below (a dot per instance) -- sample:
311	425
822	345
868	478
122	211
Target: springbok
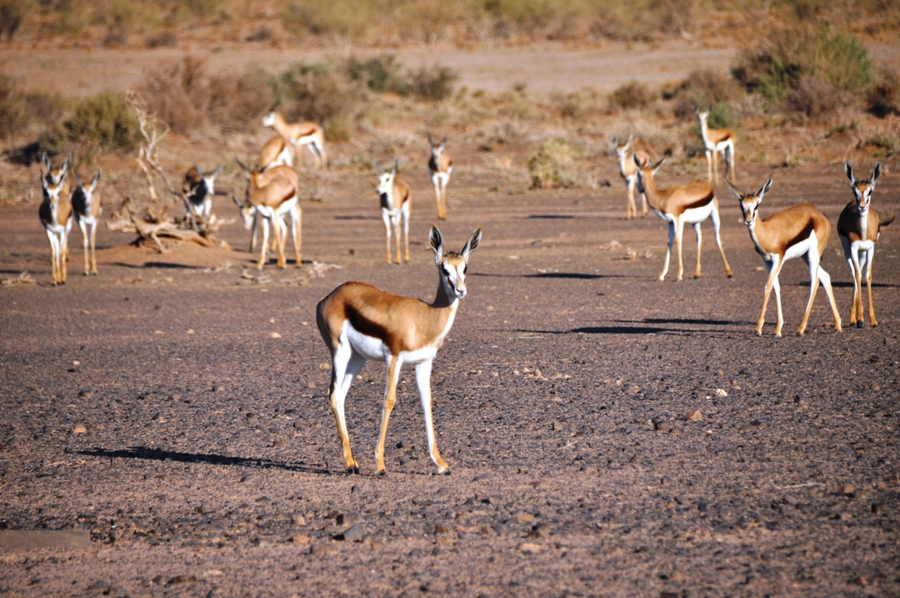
56	216
798	231
198	188
440	165
299	134
87	203
628	171
359	322
859	226
692	203
716	141
396	200
273	194
275	152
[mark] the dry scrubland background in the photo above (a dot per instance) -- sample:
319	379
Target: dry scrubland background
155	408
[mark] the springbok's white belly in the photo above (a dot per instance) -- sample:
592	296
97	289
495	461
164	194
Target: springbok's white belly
802	248
306	140
694	215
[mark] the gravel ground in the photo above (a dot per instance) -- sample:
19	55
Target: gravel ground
608	434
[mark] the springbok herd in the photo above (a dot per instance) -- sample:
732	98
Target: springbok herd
359	322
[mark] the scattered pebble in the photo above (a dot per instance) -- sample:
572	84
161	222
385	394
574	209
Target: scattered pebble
531	548
694	415
80	429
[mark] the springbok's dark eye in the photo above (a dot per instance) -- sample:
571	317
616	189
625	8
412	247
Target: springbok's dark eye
446	271
465	268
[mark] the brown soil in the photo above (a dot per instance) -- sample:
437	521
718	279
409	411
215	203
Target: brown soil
174	407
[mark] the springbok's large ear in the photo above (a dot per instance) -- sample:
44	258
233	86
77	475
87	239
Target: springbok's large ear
43	179
377	168
636	160
764	189
734	190
68	162
659	164
876	173
96	178
396	166
45	160
77	179
430	141
443	142
218	170
437	243
236	201
848	170
629	140
471	244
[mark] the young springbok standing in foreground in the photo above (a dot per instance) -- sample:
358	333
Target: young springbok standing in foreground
716	141
275	152
359	322
799	231
858	228
299	134
198	188
628	170
87	204
396	200
56	216
440	165
273	195
692	203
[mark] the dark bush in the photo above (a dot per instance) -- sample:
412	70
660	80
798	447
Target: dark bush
813	97
884	97
12	14
238	102
433	83
631	95
13	108
177	94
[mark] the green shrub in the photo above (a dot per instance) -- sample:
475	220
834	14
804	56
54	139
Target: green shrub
101	124
318	92
631	95
776	68
383	73
554	164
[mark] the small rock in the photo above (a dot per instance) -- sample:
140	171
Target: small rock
218	388
347	519
80	429
278	442
531	548
322	549
301	539
665	427
694	415
847	489
721	392
440	529
274	335
525	518
298	519
677	576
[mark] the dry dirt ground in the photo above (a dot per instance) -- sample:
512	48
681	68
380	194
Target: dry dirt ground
171	414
